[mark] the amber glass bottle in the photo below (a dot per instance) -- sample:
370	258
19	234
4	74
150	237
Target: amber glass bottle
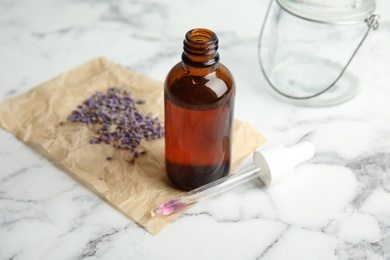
199	101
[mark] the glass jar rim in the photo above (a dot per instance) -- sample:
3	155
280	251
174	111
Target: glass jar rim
334	12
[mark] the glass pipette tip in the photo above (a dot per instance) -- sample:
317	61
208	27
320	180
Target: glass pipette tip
216	187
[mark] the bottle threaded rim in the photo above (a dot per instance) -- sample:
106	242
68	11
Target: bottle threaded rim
200	47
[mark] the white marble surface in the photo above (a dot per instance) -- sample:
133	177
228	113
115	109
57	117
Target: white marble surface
335	207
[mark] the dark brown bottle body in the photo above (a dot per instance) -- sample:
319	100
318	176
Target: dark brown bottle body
199	103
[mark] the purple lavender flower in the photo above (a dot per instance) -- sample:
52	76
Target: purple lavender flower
118	109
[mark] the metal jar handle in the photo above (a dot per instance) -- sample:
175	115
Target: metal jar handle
373	24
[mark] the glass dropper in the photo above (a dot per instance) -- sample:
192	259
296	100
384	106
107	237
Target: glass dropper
270	165
206	191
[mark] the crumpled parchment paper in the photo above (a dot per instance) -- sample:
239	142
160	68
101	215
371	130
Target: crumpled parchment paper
37	118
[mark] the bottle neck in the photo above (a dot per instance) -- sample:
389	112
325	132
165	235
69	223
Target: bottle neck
200	48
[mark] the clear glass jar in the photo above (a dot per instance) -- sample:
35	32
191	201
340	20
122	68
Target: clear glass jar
308	49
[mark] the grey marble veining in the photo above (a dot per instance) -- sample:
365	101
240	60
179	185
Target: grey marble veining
337	206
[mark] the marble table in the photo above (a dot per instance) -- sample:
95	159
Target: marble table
336	206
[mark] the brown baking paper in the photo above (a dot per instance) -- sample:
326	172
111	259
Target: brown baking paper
133	188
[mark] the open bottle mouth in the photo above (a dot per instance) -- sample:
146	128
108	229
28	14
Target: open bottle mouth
201	35
330	11
200	41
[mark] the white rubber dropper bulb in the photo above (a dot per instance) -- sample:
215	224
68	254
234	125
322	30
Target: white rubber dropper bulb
277	162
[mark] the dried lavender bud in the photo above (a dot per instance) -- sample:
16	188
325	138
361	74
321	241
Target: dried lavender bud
119	121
